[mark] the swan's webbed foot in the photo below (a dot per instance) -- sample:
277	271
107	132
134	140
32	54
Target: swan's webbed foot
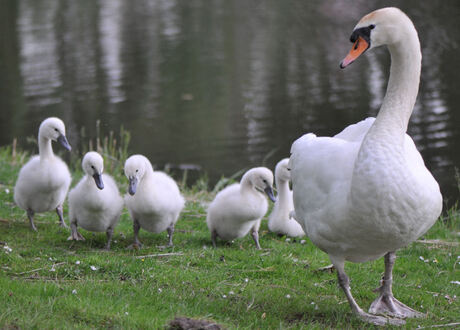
344	283
379	320
137	245
75	235
388	304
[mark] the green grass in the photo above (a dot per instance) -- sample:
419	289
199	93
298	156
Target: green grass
47	281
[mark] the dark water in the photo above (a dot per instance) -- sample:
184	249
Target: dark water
222	84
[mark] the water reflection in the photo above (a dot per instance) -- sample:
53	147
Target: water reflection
39	55
221	84
110	34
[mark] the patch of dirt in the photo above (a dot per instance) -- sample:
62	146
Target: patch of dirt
185	323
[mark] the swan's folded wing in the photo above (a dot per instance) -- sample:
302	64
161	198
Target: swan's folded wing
321	171
356	132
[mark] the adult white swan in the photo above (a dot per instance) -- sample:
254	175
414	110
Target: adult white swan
366	192
44	180
279	220
95	203
154	199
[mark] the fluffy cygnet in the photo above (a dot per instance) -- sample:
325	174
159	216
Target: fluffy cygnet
154	201
280	221
44	180
239	208
95	203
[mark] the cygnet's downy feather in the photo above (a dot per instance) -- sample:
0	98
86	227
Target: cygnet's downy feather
95	203
239	208
153	200
44	181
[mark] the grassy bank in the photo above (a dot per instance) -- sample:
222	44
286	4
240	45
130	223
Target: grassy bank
49	282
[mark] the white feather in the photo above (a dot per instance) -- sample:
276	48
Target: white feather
90	207
44	180
240	207
279	220
157	202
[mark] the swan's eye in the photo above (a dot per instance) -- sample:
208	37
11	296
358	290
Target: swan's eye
372	26
137	171
265	181
56	130
92	166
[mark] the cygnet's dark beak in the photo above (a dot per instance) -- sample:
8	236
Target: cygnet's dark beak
132	185
98	179
63	141
269	191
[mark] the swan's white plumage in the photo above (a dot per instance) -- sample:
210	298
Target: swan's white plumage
239	208
157	201
279	220
366	192
91	208
44	181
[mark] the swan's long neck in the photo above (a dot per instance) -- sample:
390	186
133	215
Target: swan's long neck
391	123
283	191
45	149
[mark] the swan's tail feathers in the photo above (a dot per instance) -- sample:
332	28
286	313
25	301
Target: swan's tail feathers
356	132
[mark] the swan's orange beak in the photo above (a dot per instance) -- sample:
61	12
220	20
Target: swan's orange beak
359	47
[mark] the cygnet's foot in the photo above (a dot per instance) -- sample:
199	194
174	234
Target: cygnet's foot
388	304
32	226
75	236
380	320
135	246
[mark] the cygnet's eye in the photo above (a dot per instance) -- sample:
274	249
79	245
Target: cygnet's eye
137	171
56	130
92	166
265	181
372	26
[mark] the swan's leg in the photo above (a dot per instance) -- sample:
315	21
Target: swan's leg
136	227
109	234
170	231
255	236
75	235
344	283
386	303
61	216
214	238
255	233
30	215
